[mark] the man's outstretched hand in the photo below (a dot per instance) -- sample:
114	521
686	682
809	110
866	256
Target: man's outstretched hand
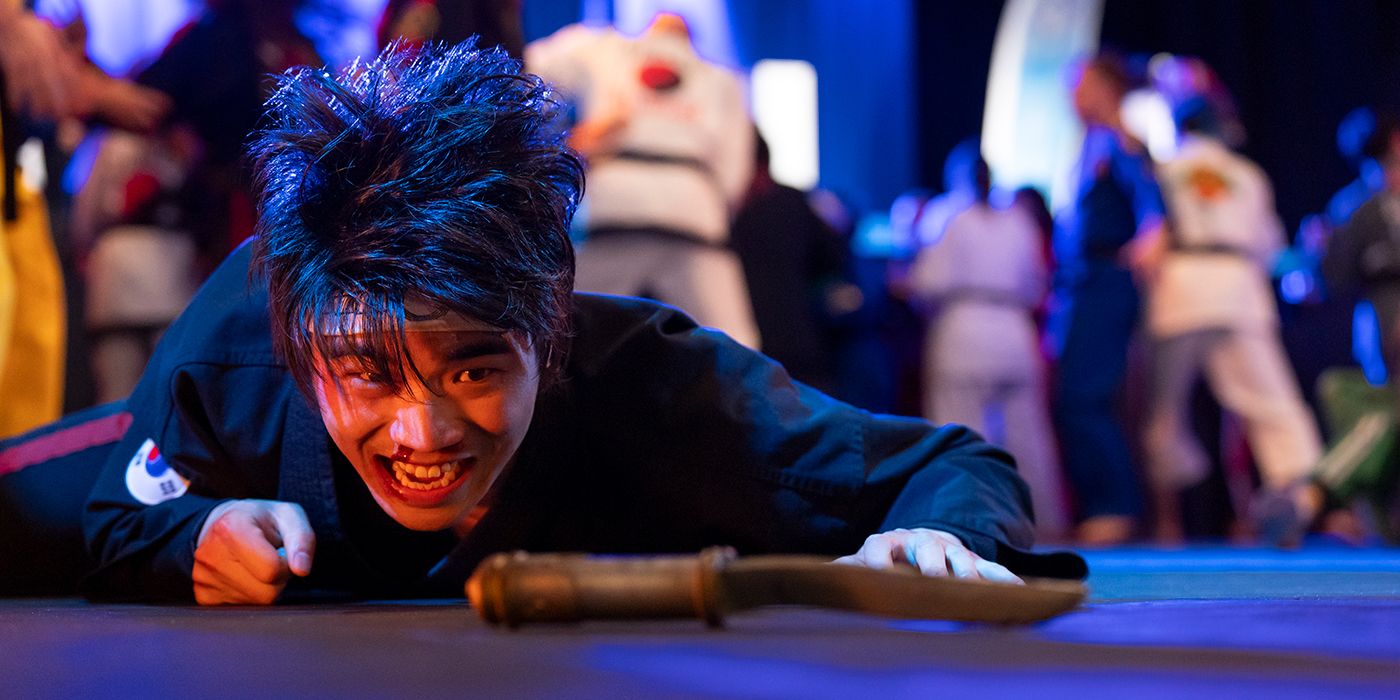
932	552
249	549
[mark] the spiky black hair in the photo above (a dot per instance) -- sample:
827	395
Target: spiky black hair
436	173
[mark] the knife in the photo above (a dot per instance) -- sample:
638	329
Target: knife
517	588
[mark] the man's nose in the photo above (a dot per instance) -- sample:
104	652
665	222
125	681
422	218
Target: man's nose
430	425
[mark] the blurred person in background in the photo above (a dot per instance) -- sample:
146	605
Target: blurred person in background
960	191
918	217
141	273
980	284
795	268
669	150
1211	312
169	184
216	72
38	77
1364	256
1096	302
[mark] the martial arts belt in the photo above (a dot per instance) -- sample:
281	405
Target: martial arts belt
518	588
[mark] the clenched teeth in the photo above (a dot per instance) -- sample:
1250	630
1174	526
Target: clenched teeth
426	478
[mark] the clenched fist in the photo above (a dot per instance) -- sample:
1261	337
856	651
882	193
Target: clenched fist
249	549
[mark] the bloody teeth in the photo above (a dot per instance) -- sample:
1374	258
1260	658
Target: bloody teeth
424	478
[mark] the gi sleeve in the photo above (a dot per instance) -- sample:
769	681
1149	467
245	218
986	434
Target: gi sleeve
945	478
206	417
727	444
151	498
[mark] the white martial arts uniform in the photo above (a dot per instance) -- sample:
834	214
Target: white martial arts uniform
1211	309
664	185
982	279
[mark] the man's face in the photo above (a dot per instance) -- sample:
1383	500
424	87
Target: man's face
1094	98
430	455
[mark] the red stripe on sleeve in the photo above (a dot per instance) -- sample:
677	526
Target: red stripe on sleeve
61	443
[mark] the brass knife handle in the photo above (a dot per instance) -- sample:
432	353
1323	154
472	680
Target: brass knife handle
516	588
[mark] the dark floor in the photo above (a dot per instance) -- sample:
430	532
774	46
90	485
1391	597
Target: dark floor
1199	622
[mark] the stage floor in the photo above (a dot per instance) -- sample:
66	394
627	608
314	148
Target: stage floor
1195	622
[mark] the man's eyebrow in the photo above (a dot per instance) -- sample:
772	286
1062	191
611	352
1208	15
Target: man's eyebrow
473	344
341	346
479	344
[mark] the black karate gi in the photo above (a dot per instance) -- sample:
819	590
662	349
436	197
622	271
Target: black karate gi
662	437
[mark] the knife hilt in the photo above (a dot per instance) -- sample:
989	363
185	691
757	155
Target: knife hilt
516	588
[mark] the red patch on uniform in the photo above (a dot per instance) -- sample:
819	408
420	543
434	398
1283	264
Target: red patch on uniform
140	191
1209	184
660	77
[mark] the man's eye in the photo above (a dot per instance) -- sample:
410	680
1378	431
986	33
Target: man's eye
476	374
363	376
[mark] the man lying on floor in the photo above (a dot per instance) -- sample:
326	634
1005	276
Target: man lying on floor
432	391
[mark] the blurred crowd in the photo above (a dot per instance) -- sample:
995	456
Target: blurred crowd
1127	349
1077	339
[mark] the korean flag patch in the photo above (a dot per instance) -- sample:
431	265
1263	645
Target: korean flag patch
150	479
